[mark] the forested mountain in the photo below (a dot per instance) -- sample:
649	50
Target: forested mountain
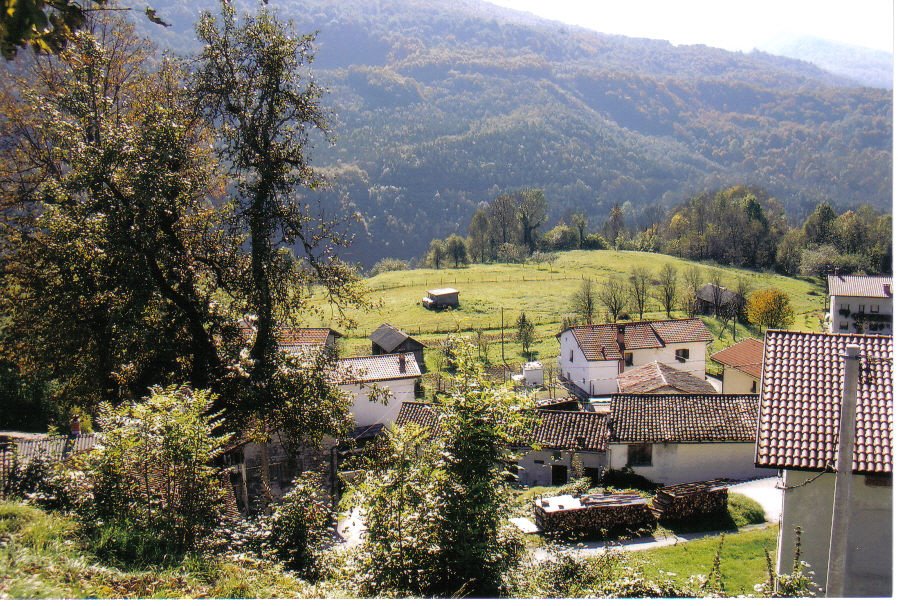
867	66
439	105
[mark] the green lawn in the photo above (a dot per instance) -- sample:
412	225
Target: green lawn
743	563
490	292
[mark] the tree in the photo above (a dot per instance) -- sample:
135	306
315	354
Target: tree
457	250
580	222
788	253
586	301
531	212
480	243
715	279
769	308
819	226
692	282
502	214
524	332
614	225
666	289
613	296
436	254
640	281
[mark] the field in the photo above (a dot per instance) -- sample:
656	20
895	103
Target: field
492	293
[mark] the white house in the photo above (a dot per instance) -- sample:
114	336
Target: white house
676	438
741	366
798	430
860	304
593	356
378	385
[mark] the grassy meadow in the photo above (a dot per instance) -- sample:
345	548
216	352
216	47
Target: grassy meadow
545	293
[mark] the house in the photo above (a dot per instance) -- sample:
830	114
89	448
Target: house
440	298
592	356
803	392
388	339
860	304
365	376
672	439
560	434
296	340
741	366
656	377
710	299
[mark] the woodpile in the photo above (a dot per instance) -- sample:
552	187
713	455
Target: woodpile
595	515
684	501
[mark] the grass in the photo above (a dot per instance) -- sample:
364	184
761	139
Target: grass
743	563
43	557
489	292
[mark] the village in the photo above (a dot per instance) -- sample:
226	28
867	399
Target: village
811	412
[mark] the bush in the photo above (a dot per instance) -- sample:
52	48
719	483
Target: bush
148	492
626	478
595	242
744	510
388	264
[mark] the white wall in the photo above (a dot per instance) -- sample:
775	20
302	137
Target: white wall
367	412
677	463
869	532
540	474
736	381
854	303
595	378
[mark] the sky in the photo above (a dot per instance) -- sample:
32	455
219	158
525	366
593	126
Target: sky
732	25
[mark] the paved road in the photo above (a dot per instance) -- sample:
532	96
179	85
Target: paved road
765	492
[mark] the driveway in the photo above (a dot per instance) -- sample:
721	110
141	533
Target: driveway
765	492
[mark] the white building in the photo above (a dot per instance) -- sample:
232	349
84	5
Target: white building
676	438
379	385
741	366
798	429
593	356
860	304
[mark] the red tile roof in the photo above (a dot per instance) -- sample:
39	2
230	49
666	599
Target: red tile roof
366	369
860	286
291	337
599	341
801	393
654	376
650	418
745	355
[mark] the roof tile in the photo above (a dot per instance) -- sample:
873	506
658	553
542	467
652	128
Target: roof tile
860	286
745	355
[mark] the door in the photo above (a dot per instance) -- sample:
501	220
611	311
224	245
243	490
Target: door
559	475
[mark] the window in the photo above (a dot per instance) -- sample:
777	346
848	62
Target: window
639	455
754	387
593	474
843	325
628	359
682	355
538	462
874	309
572	355
860	309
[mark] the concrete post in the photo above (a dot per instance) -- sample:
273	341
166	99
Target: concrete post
838	541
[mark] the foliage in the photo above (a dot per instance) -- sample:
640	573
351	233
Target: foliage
148	490
640	282
796	584
626	478
388	264
769	308
437	510
436	254
524	332
825	259
457	250
613	295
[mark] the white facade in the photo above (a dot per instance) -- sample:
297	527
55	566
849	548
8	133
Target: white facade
536	465
736	381
841	308
810	506
599	377
368	412
673	463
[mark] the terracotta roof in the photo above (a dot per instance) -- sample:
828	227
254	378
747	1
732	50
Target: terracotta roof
654	375
288	337
801	393
558	429
745	355
55	448
860	286
366	369
599	341
388	337
650	418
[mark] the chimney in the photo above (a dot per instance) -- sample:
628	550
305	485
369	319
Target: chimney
75	427
838	541
402	364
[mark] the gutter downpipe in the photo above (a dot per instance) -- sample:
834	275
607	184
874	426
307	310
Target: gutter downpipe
838	541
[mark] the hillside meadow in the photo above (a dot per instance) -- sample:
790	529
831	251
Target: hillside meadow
545	293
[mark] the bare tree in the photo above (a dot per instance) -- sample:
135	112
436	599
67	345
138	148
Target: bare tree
503	218
586	301
692	281
640	280
715	278
531	212
614	297
666	290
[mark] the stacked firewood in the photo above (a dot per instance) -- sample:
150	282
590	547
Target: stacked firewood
596	515
684	501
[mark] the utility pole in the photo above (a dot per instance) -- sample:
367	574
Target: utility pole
838	539
502	316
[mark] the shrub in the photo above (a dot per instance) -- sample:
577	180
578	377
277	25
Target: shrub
626	478
148	491
595	242
388	264
744	510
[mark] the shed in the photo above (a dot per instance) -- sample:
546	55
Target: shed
388	339
440	298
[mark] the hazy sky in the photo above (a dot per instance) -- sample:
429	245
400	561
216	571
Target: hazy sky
730	24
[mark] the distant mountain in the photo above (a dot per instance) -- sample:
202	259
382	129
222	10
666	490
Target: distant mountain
865	66
442	104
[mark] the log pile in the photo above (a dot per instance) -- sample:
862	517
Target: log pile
684	501
595	515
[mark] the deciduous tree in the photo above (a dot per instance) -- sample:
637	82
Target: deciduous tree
613	295
666	288
640	282
769	308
